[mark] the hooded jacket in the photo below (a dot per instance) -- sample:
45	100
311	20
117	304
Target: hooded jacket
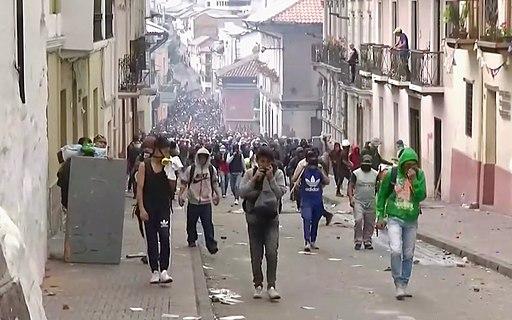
200	188
402	201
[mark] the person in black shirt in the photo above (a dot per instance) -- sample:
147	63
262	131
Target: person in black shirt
353	60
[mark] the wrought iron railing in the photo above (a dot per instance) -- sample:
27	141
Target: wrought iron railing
381	60
131	66
316	52
328	54
426	68
366	57
494	29
400	65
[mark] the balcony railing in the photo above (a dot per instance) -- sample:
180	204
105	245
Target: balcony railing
461	18
366	57
399	65
328	54
132	65
426	68
496	30
380	63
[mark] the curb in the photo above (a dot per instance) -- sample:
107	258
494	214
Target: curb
203	304
476	257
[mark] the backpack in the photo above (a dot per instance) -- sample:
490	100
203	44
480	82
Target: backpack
192	171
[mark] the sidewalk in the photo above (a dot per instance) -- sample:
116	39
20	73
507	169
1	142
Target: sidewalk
88	291
483	237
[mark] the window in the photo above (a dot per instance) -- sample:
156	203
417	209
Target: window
55	6
469	109
98	21
109	19
414	24
394	15
20	49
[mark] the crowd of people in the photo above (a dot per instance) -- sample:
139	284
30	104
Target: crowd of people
193	160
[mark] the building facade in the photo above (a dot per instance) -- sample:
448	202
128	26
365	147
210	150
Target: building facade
457	49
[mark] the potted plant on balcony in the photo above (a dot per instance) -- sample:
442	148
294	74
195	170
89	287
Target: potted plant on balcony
457	20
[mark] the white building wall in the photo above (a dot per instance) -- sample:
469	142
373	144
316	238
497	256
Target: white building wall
23	150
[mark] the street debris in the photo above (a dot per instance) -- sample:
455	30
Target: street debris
333	205
239	211
476	289
170	316
207	268
191	318
135	255
307	253
334	259
241	243
416	261
136	309
289	237
65	307
357	265
232	318
371	292
307	308
223	237
387	269
465	259
225	296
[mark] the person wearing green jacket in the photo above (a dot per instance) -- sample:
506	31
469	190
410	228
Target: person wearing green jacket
398	207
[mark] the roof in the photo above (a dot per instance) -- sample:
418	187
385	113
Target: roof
235	30
244	68
199	40
152	27
290	12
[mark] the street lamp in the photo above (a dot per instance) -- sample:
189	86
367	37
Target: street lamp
263	49
337	15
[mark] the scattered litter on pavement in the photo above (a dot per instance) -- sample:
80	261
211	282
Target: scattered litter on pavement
135	255
225	296
280	227
344	212
416	261
239	211
465	259
307	308
136	309
387	269
461	264
241	243
191	318
170	316
223	237
476	289
338	237
232	318
207	268
50	293
357	265
334	259
199	233
65	307
371	292
289	237
333	205
307	253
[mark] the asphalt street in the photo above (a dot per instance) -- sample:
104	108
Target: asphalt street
340	283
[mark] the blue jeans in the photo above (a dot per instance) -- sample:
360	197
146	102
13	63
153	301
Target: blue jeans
402	240
311	215
235	179
223	177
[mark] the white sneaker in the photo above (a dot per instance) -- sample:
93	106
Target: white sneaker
236	202
273	294
155	277
307	248
258	292
313	246
400	293
224	196
165	277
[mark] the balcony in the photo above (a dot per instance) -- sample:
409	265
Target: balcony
381	62
329	55
132	67
462	22
496	33
352	77
426	71
366	58
399	73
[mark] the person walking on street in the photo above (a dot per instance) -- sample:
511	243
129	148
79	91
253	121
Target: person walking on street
154	202
290	170
355	157
223	170
236	170
312	181
398	207
361	192
377	159
335	157
344	166
262	189
201	184
132	152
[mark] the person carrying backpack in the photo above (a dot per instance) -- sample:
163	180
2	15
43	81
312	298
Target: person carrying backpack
312	181
262	189
201	184
398	207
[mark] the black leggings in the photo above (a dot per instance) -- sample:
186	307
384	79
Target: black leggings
158	230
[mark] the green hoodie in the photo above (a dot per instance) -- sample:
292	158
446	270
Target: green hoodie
399	202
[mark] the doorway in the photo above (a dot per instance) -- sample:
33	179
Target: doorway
438	157
415	131
490	149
